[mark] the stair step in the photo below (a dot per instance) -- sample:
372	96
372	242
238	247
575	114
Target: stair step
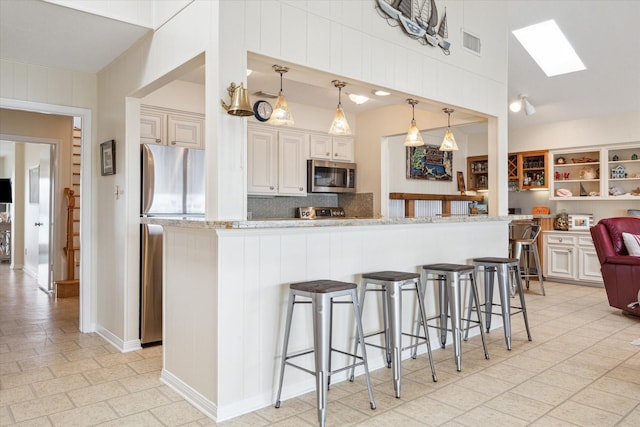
67	288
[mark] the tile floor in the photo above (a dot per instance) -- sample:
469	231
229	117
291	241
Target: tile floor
581	369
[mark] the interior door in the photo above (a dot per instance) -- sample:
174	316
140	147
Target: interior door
44	221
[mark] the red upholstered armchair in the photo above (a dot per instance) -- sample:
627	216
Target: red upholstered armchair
620	271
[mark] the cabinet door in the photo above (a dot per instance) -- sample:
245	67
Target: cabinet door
560	262
262	161
533	169
292	163
588	265
152	127
343	149
185	131
319	146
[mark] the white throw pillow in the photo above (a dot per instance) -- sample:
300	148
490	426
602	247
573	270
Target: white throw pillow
632	242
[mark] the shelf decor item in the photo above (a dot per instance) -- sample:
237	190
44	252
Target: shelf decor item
580	221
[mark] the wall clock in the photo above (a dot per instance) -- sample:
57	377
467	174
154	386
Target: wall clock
262	110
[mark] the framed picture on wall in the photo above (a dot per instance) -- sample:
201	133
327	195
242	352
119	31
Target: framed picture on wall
428	162
108	157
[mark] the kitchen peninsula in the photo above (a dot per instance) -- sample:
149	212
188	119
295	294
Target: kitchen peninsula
230	279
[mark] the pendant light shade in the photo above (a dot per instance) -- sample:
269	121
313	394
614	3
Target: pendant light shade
339	125
449	142
281	116
414	138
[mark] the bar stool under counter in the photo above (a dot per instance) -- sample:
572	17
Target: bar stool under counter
508	272
524	248
449	278
392	284
321	294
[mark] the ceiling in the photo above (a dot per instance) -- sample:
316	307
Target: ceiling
604	33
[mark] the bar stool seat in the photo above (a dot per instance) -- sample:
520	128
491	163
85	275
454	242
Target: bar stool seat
450	304
503	267
392	284
320	294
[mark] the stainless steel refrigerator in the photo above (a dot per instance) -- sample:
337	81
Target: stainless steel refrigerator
172	186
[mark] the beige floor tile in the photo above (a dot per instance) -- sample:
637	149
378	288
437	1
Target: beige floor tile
96	393
117	372
483	416
337	415
177	413
141	382
9	396
631	419
391	418
146	365
59	385
9	368
22	378
429	411
560	379
460	397
143	419
36	422
86	415
617	386
583	415
288	408
113	359
519	406
138	402
38	407
75	367
542	392
606	401
42	361
249	420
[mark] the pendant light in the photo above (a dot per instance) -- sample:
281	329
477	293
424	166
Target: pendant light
281	116
339	125
449	142
414	138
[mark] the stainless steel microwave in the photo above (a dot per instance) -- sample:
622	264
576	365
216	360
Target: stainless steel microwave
326	176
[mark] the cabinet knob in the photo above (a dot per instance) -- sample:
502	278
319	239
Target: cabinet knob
301	189
271	188
173	143
328	154
560	240
158	140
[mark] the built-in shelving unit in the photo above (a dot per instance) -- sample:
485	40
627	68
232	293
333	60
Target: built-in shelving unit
607	173
533	170
478	173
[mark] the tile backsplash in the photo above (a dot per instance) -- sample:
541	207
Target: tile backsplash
355	205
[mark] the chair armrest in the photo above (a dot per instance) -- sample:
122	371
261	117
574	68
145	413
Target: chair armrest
623	260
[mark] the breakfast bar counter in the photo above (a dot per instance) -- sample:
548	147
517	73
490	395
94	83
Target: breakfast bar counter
231	279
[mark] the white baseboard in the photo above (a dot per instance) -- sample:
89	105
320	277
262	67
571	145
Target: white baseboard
123	346
190	395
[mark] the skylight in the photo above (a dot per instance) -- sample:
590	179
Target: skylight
548	46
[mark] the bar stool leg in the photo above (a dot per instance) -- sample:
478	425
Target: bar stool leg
444	298
394	303
385	317
488	295
423	321
321	304
285	344
455	311
360	338
503	288
536	258
476	298
522	303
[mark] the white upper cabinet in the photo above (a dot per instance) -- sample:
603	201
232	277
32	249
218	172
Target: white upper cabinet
277	161
167	127
327	147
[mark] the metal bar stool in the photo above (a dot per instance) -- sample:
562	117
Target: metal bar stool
448	278
392	284
522	248
503	267
320	294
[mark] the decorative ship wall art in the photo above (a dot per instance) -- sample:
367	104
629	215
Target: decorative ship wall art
418	19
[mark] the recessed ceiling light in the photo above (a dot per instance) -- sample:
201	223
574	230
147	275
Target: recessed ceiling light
358	99
548	46
381	93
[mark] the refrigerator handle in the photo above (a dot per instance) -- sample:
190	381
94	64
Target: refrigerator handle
148	178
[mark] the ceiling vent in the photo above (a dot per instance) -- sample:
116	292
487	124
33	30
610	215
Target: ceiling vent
471	42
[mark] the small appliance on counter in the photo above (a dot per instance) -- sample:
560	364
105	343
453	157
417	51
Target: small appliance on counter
319	213
172	185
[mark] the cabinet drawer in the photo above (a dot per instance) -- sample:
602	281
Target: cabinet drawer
585	240
562	239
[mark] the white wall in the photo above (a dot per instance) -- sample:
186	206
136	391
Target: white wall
178	95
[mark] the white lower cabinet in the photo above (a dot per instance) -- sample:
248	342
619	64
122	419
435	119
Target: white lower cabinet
276	162
571	256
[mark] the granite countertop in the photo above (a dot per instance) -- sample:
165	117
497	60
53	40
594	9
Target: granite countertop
202	223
